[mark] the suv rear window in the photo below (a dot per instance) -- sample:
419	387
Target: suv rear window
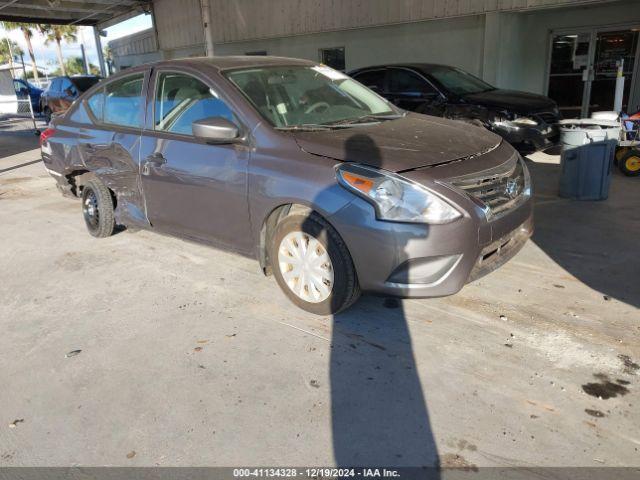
85	83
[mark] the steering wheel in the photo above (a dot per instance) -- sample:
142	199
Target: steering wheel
316	106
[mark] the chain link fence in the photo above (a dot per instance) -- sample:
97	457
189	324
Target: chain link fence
18	114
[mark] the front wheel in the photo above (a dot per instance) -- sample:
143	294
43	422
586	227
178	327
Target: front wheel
312	265
97	209
629	163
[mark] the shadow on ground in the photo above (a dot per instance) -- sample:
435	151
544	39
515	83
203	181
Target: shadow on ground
379	413
17	135
595	241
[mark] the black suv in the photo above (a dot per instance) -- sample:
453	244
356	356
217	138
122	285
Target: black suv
526	120
63	91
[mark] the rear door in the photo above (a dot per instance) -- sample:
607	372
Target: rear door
192	188
410	91
109	140
375	79
68	93
52	95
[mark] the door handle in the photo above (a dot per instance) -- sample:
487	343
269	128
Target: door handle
156	158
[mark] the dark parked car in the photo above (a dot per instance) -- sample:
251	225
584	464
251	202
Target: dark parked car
332	188
26	90
63	91
526	120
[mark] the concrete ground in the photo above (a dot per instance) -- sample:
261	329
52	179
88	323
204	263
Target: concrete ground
189	356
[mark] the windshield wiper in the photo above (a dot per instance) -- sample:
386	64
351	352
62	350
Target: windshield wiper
366	119
305	127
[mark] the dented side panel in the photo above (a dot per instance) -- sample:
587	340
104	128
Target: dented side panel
114	157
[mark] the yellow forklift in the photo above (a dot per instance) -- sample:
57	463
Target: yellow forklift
628	151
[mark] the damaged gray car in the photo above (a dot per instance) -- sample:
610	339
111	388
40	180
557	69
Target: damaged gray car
334	190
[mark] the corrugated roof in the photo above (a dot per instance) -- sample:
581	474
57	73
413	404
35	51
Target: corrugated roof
76	12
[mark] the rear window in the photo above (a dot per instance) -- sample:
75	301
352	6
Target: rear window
85	83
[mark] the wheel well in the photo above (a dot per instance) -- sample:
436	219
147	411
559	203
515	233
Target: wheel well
78	178
75	180
269	228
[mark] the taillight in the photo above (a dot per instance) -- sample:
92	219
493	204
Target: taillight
44	136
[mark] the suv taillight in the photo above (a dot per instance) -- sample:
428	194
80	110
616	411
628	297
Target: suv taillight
44	136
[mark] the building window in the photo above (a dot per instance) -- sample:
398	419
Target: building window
333	57
259	53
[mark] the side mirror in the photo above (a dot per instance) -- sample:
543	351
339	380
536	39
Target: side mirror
215	130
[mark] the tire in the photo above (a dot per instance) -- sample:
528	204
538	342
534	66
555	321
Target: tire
97	209
344	289
47	115
629	163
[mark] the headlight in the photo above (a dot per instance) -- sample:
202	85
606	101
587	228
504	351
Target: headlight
527	191
526	121
395	198
513	121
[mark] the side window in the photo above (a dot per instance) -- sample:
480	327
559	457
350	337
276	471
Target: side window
182	99
66	87
404	81
96	104
123	101
373	79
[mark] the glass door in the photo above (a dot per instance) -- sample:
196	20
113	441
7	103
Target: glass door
611	48
569	72
583	69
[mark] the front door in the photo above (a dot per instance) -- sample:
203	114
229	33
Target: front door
192	188
584	67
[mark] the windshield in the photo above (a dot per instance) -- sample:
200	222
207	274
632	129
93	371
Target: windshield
459	81
302	96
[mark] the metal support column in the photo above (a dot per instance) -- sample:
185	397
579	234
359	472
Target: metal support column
206	24
96	35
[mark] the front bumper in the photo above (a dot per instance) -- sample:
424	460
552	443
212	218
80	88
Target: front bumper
537	138
417	260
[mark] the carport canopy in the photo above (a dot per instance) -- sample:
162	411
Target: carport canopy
97	13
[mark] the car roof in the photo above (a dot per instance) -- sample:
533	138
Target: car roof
423	67
222	63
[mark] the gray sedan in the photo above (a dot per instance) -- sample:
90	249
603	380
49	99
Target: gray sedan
332	188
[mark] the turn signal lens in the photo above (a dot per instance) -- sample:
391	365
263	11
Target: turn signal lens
394	197
360	183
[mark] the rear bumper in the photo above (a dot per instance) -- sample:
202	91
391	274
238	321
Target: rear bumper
416	261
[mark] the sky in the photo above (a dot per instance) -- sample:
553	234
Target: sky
46	56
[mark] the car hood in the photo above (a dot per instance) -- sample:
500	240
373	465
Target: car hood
407	143
512	100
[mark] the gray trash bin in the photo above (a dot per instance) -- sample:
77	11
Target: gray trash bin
588	148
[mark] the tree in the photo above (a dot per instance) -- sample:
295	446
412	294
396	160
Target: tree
75	66
58	33
8	48
27	31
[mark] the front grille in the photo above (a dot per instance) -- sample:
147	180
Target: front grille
550	118
497	191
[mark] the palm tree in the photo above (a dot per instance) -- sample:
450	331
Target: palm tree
57	33
28	33
9	48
